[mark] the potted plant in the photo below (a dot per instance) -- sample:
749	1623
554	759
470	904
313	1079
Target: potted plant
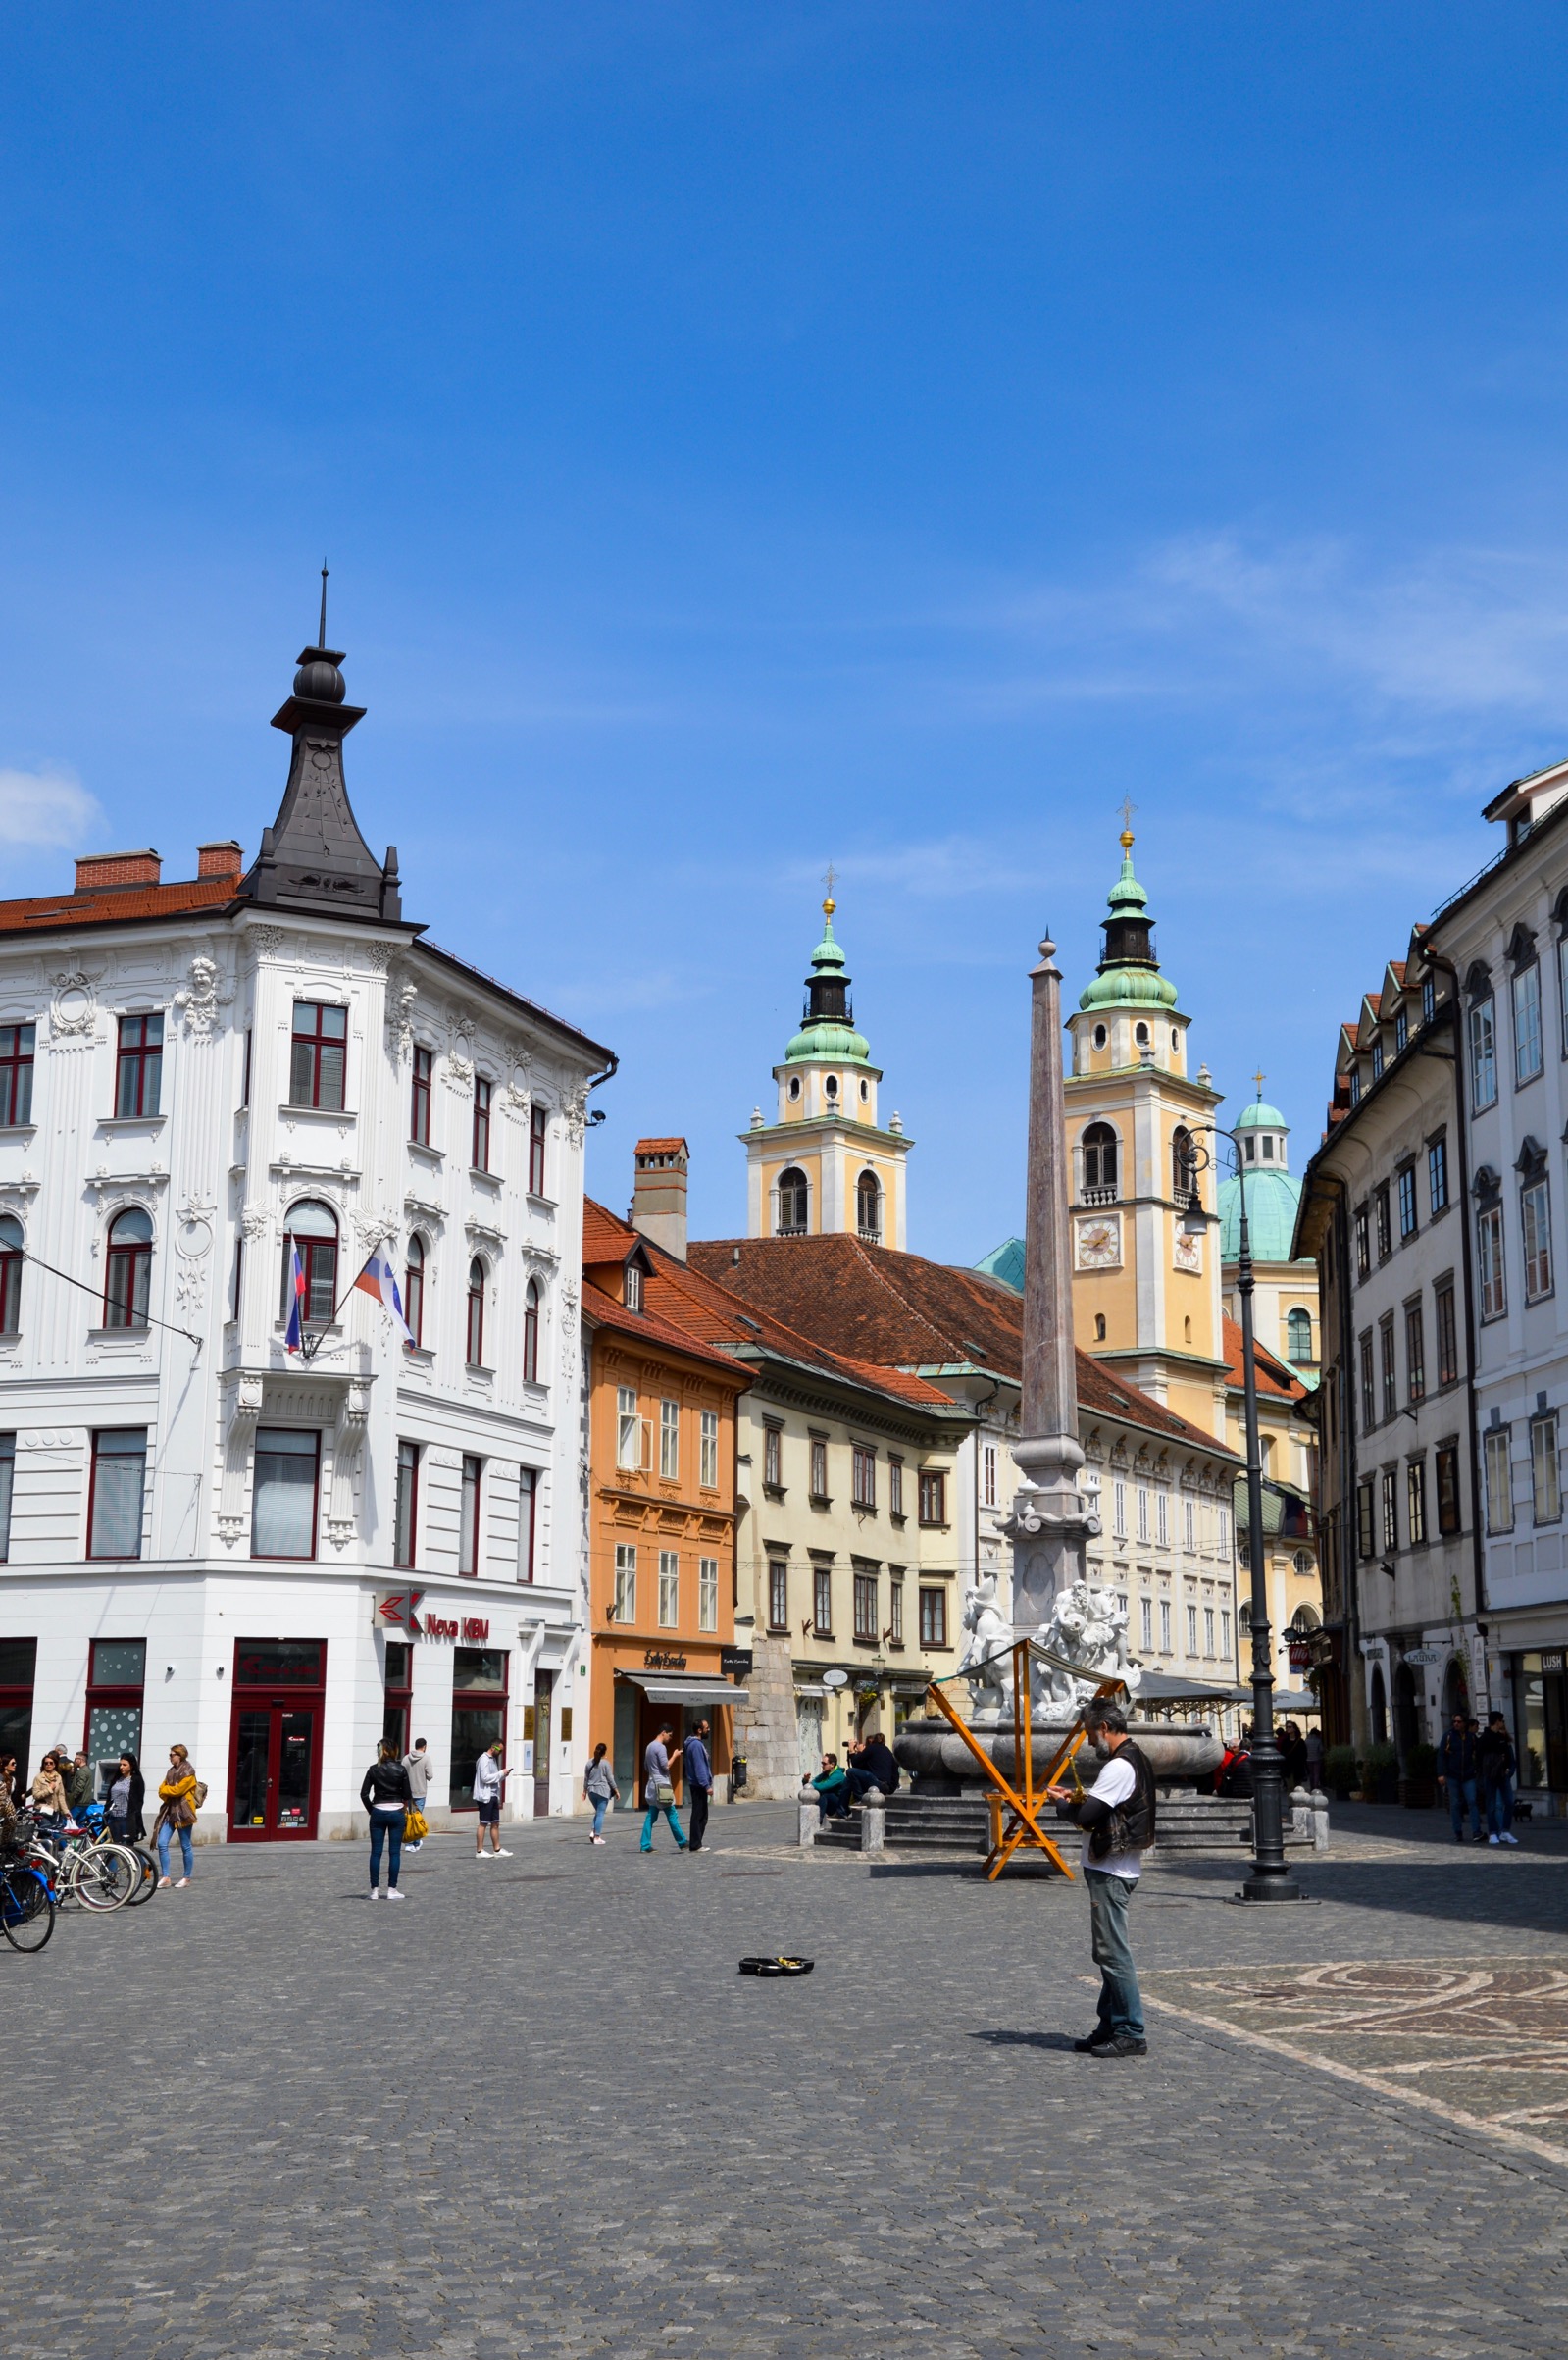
1340	1770
1418	1787
1380	1774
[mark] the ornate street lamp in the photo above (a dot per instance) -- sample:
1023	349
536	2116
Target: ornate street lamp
1271	1879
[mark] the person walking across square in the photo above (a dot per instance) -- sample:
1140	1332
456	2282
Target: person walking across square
599	1789
698	1769
418	1765
1117	1817
1456	1775
1495	1764
657	1791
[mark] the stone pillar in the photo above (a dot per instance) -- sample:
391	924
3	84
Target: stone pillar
1050	1520
810	1816
873	1821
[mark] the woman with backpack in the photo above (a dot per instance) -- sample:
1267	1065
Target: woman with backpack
180	1797
388	1798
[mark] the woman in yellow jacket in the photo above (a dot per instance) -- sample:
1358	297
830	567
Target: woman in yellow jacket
177	1814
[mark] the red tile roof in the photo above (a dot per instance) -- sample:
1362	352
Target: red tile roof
902	1312
114	905
602	1310
1273	1377
605	1239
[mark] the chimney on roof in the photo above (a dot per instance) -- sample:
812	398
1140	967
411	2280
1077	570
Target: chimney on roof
659	1193
225	859
111	872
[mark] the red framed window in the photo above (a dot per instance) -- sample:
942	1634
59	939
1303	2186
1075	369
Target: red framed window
481	1124
10	1246
531	1333
398	1709
476	1314
406	1505
311	1230
116	1672
538	1119
16	1073
127	1275
244	1077
139	1067
479	1714
18	1665
318	1057
419	1105
934	1617
468	1534
932	1499
115	1489
288	1487
527	1510
414	1287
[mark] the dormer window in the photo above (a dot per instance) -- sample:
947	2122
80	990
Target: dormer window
634	1286
1401	1032
1429	1000
1377	1060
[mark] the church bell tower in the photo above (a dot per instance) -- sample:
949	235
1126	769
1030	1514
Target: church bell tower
1146	1295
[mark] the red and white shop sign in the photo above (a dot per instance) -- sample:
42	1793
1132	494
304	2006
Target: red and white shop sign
399	1612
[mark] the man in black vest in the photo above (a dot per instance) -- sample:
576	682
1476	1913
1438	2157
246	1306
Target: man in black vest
1117	1817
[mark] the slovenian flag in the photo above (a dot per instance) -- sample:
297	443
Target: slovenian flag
295	1333
379	1280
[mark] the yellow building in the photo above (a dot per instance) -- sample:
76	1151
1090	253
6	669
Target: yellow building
1146	1295
826	1166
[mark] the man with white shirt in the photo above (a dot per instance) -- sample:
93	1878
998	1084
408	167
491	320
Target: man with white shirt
1117	1817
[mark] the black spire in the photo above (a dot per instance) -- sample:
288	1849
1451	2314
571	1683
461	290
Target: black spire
313	857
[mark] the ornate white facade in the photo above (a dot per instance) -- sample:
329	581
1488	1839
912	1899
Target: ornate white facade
476	1431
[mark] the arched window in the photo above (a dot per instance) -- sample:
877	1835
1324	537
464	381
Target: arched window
792	1201
1100	1328
1100	1163
128	1284
414	1287
1305	1619
1380	1708
10	1243
1184	1167
311	1232
868	1208
1298	1330
476	1314
531	1333
1140	1035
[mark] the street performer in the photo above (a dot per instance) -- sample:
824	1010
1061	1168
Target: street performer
1117	1817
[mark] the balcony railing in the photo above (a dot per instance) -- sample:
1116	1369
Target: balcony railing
1101	1196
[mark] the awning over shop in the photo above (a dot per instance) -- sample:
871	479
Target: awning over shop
686	1688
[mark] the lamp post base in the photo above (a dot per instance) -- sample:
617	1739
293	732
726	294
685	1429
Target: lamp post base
1271	1888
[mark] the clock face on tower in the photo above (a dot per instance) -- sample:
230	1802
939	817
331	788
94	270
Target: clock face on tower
1099	1242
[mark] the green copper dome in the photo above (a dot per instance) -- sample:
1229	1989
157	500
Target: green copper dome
1128	972
826	1024
1272	1198
1261	1116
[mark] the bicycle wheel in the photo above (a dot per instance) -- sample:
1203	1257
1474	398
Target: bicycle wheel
27	1912
106	1876
148	1866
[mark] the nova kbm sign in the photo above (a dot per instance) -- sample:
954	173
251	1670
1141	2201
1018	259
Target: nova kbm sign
399	1611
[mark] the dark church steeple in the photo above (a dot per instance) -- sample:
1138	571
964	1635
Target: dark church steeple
313	857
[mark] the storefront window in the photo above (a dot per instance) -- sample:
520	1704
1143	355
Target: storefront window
116	1671
1541	1719
17	1661
399	1695
479	1714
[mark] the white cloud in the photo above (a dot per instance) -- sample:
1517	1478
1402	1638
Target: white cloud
49	808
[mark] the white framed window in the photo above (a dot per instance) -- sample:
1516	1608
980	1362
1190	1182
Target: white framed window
1545	1483
1161	1519
895	1605
1483	1056
628	1429
1148	1607
1191	1630
1529	1049
1165	1626
896	1486
708	1465
1499	1478
1225	1630
707	1593
862	1475
669	1589
1225	1531
1142	1512
1208	1630
1534	1222
1489	1263
669	1440
1188	1527
1119	1511
634	1286
625	1582
988	1475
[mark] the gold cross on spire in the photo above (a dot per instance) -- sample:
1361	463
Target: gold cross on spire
829	878
1260	1078
1128	809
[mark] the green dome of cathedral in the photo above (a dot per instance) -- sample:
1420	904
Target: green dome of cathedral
1272	1191
1128	973
827	1022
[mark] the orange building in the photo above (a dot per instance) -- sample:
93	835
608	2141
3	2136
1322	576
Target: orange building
661	1412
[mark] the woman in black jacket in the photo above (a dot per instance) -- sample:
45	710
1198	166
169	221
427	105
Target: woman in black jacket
127	1792
387	1796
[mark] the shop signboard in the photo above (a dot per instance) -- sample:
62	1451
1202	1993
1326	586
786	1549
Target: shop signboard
736	1662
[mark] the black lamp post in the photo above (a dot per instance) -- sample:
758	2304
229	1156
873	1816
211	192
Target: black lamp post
1271	1879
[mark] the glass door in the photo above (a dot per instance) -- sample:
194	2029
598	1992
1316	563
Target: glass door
274	1774
295	1741
247	1811
544	1715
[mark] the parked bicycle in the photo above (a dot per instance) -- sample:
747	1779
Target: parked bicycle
77	1867
96	1821
27	1905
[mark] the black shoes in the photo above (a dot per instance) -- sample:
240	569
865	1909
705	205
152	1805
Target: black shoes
1111	2044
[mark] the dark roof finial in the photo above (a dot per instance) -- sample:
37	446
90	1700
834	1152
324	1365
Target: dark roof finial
321	637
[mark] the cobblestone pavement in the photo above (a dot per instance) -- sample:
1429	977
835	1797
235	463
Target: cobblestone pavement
534	2110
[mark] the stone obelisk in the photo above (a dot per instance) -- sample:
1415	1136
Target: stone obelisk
1050	1520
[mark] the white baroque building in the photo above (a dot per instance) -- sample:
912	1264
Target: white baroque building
207	1538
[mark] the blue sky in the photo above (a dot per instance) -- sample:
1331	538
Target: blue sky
748	437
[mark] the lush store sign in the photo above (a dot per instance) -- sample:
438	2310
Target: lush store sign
399	1611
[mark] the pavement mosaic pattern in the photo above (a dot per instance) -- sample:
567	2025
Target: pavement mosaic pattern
1480	2041
534	2110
